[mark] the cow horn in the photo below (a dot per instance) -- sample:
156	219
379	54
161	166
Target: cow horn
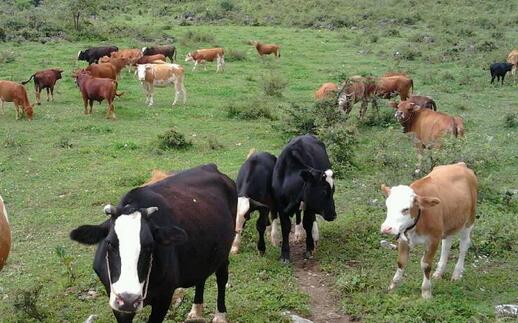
110	210
148	211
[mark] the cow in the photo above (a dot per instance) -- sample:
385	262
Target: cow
167	51
388	86
327	90
431	209
16	93
118	63
267	49
498	71
131	54
160	237
93	54
513	59
151	75
5	234
357	89
254	191
97	89
45	80
158	58
201	56
101	70
302	179
419	100
427	125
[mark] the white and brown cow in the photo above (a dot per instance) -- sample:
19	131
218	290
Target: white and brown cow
201	56
161	75
5	235
431	209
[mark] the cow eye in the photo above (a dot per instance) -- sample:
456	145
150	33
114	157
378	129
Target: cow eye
405	211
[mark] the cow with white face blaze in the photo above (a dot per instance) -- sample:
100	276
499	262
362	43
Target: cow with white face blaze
303	179
170	234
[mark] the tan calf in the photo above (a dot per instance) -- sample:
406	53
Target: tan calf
5	235
151	75
267	49
431	209
16	93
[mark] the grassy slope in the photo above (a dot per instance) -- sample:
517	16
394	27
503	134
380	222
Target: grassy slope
50	190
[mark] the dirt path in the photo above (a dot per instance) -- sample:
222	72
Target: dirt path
325	304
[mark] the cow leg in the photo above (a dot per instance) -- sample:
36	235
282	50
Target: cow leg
307	221
176	92
492	78
52	93
286	228
465	241
151	93
426	267
194	67
503	76
48	94
222	280
37	92
159	309
261	223
91	103
299	228
402	260
274	234
363	109
184	93
196	312
445	251
123	317
2	106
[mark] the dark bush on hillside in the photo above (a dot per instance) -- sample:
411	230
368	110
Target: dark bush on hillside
198	37
340	144
299	120
511	120
273	84
233	55
172	139
251	109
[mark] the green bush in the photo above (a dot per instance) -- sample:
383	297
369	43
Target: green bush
340	144
273	84
233	55
172	139
251	109
511	120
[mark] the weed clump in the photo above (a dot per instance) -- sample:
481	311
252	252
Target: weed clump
172	139
250	110
233	55
198	37
511	120
26	302
273	84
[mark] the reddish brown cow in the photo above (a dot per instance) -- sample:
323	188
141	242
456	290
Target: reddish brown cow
420	100
327	90
267	49
97	89
427	125
387	86
45	80
102	70
131	54
16	93
5	234
207	55
118	63
356	89
148	59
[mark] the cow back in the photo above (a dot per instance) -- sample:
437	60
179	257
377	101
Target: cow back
254	179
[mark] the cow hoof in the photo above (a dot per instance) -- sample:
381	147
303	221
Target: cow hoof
220	318
285	261
437	275
456	277
234	250
426	294
261	252
308	255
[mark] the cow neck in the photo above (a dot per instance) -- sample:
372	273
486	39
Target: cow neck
146	282
399	235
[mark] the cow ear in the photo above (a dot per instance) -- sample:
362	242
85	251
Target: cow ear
427	201
385	189
307	176
171	235
90	234
148	211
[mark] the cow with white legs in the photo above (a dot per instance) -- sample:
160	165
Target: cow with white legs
431	209
172	233
201	56
254	190
162	75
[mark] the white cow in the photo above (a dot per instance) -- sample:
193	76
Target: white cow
161	75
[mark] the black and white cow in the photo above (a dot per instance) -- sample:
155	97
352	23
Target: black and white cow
303	180
93	54
254	191
170	234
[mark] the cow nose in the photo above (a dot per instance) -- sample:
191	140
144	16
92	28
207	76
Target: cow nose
128	302
387	229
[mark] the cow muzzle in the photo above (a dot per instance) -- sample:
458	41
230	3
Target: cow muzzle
128	303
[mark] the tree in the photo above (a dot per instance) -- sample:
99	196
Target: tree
77	8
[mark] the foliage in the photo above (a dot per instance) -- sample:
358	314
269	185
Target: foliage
26	302
511	120
173	139
233	55
251	109
273	84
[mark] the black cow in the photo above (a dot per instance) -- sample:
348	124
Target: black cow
499	70
254	191
303	179
93	54
172	233
167	51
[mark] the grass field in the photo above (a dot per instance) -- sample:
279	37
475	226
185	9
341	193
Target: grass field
57	172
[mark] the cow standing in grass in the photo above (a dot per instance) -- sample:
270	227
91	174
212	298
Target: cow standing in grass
97	89
93	54
433	208
151	75
167	51
14	92
201	56
267	49
45	80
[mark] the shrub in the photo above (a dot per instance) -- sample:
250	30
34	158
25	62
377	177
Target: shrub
214	144
64	143
7	56
198	37
340	142
250	110
511	120
26	302
272	84
299	120
172	139
235	55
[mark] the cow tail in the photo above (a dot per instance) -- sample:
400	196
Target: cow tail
279	52
174	55
412	85
434	105
458	125
30	78
250	153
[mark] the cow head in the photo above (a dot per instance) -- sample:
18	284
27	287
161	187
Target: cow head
81	55
403	206
405	110
318	192
29	111
57	73
127	245
189	58
142	70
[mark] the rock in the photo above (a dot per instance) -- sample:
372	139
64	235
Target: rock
509	310
298	319
91	319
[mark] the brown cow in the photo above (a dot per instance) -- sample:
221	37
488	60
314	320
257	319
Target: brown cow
420	100
131	54
97	89
327	90
118	63
207	55
267	49
148	59
427	125
45	80
16	93
356	89
431	209
156	176
387	86
5	234
102	70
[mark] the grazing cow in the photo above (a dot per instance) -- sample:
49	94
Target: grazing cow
427	125
102	70
5	234
267	49
92	55
167	51
356	89
97	89
207	55
170	234
45	80
254	191
431	209
419	100
327	90
118	63
388	86
161	75
302	179
150	59
16	93
513	59
498	71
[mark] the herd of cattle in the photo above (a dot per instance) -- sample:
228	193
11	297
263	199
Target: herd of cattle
179	228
